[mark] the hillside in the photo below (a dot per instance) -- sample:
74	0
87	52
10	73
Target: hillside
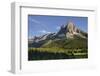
69	42
66	43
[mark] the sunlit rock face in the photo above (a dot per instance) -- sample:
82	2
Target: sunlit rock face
71	30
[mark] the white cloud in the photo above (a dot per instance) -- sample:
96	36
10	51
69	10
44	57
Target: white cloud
58	27
33	20
44	31
39	23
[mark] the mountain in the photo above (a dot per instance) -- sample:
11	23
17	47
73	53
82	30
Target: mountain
70	30
69	36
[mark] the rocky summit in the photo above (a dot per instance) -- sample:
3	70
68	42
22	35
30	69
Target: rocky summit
70	31
67	31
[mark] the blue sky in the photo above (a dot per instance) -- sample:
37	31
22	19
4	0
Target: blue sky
41	24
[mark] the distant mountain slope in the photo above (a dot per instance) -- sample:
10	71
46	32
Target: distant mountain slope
69	36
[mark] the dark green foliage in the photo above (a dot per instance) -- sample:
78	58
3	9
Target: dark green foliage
59	49
36	55
46	54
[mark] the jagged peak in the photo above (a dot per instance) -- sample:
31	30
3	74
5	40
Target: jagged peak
69	30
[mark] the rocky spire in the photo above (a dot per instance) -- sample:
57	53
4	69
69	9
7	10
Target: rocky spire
70	27
71	30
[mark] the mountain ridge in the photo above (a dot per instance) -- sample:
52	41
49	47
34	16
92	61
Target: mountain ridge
66	32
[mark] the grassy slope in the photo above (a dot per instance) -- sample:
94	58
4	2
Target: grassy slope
67	43
60	49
